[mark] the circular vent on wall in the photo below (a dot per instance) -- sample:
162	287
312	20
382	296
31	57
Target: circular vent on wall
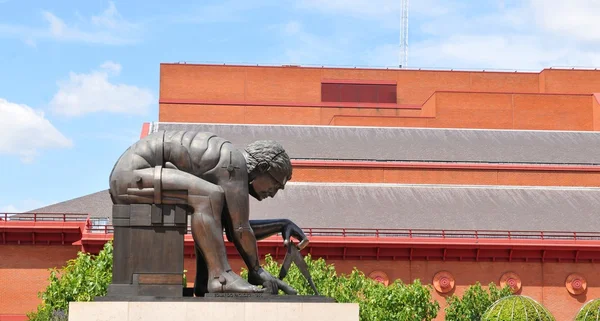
443	282
575	284
380	276
512	280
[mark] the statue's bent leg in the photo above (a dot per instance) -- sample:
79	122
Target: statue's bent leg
201	281
207	200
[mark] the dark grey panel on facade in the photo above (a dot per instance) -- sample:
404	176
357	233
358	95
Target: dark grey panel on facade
414	144
434	207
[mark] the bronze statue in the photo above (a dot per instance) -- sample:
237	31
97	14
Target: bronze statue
210	175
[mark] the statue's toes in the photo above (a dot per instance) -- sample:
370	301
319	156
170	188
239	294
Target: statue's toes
237	285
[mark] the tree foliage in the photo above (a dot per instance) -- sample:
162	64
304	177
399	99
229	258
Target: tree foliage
88	276
589	312
397	301
517	308
474	302
81	279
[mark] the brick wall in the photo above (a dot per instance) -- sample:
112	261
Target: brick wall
447	98
569	81
24	272
13	317
442	110
445	176
596	111
553	112
488	111
294	84
544	282
301	114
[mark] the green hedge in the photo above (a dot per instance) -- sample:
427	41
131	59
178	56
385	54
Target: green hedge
397	301
81	279
474	302
517	308
88	276
589	312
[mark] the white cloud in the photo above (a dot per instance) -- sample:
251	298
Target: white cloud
112	19
303	47
513	35
25	131
573	18
112	67
222	11
9	209
494	51
386	13
24	206
361	8
382	55
108	28
531	36
474	51
523	35
107	31
298	41
94	92
126	136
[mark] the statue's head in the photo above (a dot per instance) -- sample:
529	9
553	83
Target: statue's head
269	168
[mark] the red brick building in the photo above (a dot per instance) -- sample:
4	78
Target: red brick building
451	177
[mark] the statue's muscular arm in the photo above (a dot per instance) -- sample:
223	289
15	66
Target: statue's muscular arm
235	219
237	209
265	228
260	229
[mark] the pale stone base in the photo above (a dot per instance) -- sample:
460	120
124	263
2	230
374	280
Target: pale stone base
212	311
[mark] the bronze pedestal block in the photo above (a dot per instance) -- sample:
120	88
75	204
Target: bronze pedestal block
148	250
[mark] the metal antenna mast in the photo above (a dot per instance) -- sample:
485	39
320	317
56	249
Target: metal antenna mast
404	34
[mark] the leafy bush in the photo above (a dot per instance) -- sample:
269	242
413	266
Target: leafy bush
398	301
590	311
87	276
81	279
517	308
474	302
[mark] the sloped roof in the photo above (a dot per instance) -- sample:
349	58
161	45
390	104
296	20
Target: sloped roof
434	207
411	206
414	144
463	207
97	205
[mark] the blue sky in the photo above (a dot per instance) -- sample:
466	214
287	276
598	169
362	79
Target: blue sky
78	78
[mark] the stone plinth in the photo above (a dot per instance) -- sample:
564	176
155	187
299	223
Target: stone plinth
212	311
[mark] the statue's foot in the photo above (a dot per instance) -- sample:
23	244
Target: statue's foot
229	282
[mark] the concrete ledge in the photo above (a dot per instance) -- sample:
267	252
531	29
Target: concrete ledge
212	311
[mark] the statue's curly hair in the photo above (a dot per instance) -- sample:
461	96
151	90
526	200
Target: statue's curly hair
270	152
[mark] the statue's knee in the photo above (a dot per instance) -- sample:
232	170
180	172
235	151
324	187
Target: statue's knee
212	199
216	196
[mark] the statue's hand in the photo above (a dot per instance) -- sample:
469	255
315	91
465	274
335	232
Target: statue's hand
269	282
291	229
